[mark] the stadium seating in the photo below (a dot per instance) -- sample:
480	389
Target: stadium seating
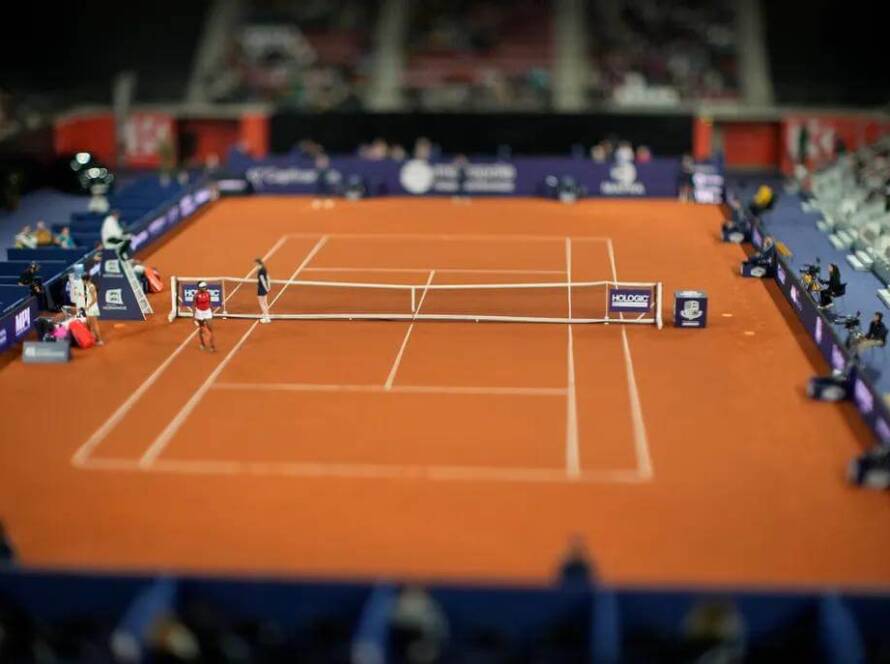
229	620
136	201
485	56
311	56
645	53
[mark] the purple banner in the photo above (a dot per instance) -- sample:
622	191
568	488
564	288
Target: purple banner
15	324
178	211
637	300
522	176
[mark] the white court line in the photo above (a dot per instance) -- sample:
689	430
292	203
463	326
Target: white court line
84	451
170	430
641	440
395	365
395	389
573	454
366	471
450	237
447	270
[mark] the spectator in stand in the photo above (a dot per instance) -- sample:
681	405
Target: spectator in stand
418	627
25	239
576	568
644	154
423	149
833	283
397	153
113	235
625	152
32	279
763	201
43	235
7	552
377	151
598	154
64	239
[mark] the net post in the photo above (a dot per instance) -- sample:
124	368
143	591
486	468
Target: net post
174	299
658	315
223	295
413	295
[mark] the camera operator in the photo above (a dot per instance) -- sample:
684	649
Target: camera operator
876	336
766	257
828	289
32	279
833	283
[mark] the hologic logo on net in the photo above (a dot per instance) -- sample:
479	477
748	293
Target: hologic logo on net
630	300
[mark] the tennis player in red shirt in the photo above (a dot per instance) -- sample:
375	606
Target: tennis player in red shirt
203	316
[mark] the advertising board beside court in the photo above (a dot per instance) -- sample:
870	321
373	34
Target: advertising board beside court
16	324
520	176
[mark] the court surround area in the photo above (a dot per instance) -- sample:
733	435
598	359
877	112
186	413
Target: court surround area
447	449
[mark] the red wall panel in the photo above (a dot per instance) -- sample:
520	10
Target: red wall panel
255	134
211	137
752	144
93	133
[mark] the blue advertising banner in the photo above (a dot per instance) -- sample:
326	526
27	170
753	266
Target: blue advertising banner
521	176
164	221
16	324
117	300
638	300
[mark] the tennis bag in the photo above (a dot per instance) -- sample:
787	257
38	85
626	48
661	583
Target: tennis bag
155	285
81	335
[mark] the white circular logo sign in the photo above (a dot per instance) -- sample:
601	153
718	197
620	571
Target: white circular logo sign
416	177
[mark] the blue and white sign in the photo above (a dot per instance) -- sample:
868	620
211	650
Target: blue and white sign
690	309
637	300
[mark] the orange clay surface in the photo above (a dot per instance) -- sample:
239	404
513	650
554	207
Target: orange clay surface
446	450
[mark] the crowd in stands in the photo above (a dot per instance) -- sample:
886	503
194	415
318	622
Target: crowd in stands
612	149
310	55
491	55
650	52
41	236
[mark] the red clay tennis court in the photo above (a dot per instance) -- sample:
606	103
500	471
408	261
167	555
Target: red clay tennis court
446	449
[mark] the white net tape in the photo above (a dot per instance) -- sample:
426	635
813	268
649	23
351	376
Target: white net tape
530	302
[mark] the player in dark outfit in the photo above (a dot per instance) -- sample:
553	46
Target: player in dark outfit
263	286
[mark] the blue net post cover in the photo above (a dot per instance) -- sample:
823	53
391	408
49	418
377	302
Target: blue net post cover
690	308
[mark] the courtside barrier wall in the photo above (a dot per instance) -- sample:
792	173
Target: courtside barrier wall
520	176
572	621
868	400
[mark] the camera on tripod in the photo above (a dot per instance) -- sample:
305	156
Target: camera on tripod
810	273
851	322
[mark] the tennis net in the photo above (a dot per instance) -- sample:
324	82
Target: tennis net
522	302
